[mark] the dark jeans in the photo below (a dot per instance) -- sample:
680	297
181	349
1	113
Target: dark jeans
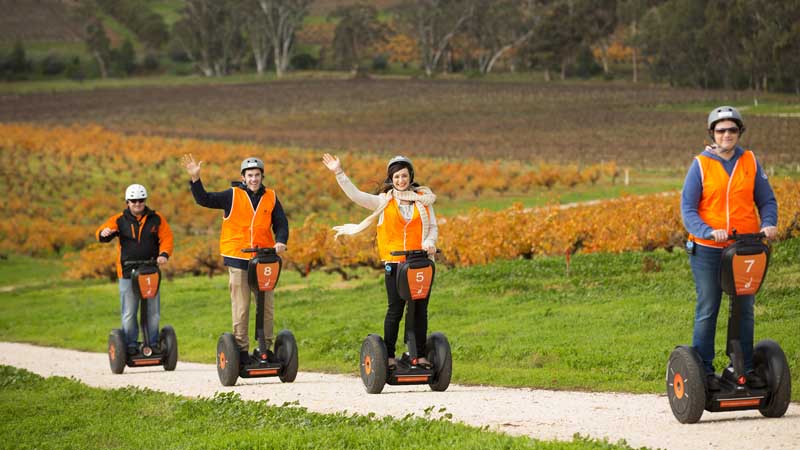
705	265
394	312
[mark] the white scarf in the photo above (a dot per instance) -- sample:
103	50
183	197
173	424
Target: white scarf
421	198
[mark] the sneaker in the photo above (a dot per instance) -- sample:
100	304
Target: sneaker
754	380
132	351
244	357
712	382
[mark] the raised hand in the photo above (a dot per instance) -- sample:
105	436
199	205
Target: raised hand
332	163
192	167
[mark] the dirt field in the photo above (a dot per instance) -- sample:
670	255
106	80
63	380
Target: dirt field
566	123
641	420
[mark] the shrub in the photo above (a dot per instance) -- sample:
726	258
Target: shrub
304	61
151	62
380	62
53	64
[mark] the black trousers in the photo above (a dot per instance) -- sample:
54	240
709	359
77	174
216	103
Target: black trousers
394	312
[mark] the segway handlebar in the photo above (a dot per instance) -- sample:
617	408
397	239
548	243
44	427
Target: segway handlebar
140	262
746	236
260	250
412	252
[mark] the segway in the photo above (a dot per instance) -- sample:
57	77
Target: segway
414	282
743	270
146	281
263	272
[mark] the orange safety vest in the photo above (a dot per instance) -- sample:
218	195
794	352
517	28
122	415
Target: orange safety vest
245	227
727	201
394	233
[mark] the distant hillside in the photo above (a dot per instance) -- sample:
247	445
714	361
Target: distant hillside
38	20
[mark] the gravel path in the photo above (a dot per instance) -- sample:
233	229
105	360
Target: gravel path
641	420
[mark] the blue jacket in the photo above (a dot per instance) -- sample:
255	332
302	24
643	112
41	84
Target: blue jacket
693	191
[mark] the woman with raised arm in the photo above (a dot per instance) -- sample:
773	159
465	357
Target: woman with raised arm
406	221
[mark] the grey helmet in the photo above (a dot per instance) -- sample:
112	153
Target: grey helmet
135	192
725	113
252	163
398	159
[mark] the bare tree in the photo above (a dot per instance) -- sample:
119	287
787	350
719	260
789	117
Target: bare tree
435	22
283	17
94	35
631	13
255	28
210	33
500	25
357	30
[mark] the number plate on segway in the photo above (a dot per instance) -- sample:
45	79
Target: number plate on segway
263	272
748	271
419	282
146	281
744	267
267	275
415	278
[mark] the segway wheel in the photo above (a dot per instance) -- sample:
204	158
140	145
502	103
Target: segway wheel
686	386
374	362
116	351
169	345
770	362
438	349
286	351
227	360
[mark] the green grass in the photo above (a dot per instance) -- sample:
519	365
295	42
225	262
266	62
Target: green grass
759	104
61	85
17	271
607	326
61	413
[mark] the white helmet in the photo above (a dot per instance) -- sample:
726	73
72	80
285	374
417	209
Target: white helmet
252	163
135	192
398	159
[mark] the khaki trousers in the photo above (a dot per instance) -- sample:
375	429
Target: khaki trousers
240	309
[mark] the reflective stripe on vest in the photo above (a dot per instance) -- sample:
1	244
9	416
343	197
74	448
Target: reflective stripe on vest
727	201
394	233
245	227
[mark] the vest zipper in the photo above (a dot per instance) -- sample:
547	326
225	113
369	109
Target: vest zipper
728	198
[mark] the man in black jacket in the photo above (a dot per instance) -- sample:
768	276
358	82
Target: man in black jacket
143	234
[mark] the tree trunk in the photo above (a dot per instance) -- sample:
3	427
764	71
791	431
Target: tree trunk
101	63
604	57
634	54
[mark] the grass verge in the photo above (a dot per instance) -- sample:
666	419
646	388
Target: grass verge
61	413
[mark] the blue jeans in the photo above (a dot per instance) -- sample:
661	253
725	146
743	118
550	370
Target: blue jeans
129	307
705	265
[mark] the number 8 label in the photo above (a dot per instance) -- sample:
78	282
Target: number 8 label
267	276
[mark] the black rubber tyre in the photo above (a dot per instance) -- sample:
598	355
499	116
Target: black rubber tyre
286	351
686	385
169	345
116	351
227	359
374	365
438	350
769	361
